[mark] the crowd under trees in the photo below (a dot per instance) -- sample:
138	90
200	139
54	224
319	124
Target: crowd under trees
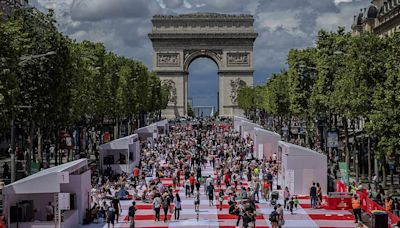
340	81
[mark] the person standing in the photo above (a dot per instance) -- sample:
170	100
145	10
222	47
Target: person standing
117	207
187	188
131	214
136	172
356	205
191	181
274	218
110	216
286	195
221	198
210	191
281	220
165	205
240	209
156	207
291	205
5	170
313	195
49	212
319	195
178	206
266	190
196	201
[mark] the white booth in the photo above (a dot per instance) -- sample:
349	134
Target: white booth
247	129
122	154
265	143
162	127
65	187
148	133
300	167
237	122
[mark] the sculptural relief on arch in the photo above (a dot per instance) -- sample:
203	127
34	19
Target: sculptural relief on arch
226	39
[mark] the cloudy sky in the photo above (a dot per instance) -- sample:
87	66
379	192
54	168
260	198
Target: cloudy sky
123	25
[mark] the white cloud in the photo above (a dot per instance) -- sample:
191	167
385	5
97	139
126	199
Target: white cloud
123	25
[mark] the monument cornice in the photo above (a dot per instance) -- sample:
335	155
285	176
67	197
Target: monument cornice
203	16
167	36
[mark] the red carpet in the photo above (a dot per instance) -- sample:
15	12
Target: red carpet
331	217
148	217
228	216
226	206
236	226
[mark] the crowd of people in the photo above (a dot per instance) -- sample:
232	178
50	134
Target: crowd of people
182	155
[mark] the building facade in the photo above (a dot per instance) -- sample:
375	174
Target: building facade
225	39
382	17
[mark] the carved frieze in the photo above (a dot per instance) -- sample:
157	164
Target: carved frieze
235	87
238	59
171	86
168	60
216	53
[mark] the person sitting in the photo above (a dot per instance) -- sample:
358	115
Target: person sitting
122	194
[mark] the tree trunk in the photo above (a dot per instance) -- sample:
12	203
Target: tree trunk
346	136
384	172
357	153
369	160
289	128
56	149
39	135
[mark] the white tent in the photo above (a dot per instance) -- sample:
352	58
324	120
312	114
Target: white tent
300	167
265	143
35	191
121	154
247	129
237	122
162	127
148	133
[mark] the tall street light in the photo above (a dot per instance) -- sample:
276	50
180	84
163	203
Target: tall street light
23	60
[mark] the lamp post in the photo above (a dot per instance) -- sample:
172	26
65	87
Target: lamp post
23	60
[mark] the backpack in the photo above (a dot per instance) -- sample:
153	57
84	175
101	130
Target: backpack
164	203
273	217
132	211
233	210
111	213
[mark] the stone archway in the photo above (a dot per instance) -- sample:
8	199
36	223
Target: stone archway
226	39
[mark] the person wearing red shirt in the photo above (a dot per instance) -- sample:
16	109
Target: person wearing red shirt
266	190
191	181
136	173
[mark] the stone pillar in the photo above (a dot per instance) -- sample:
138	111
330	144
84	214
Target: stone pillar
177	83
230	82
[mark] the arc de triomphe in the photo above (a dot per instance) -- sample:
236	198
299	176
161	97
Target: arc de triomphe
225	39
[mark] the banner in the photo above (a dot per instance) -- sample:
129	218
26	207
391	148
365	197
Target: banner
368	205
344	172
332	140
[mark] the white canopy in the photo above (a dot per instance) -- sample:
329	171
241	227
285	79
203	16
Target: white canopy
300	167
150	131
237	120
45	181
128	146
162	126
247	129
265	143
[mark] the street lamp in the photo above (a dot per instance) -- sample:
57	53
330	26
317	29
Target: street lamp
22	59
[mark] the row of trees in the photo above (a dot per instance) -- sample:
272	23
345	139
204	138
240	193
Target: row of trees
55	83
340	81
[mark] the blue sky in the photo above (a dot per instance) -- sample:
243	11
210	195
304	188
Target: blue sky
123	25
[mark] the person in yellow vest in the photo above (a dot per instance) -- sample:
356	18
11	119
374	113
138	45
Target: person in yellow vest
356	205
388	204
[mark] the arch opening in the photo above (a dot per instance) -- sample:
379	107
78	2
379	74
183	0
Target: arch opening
203	86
